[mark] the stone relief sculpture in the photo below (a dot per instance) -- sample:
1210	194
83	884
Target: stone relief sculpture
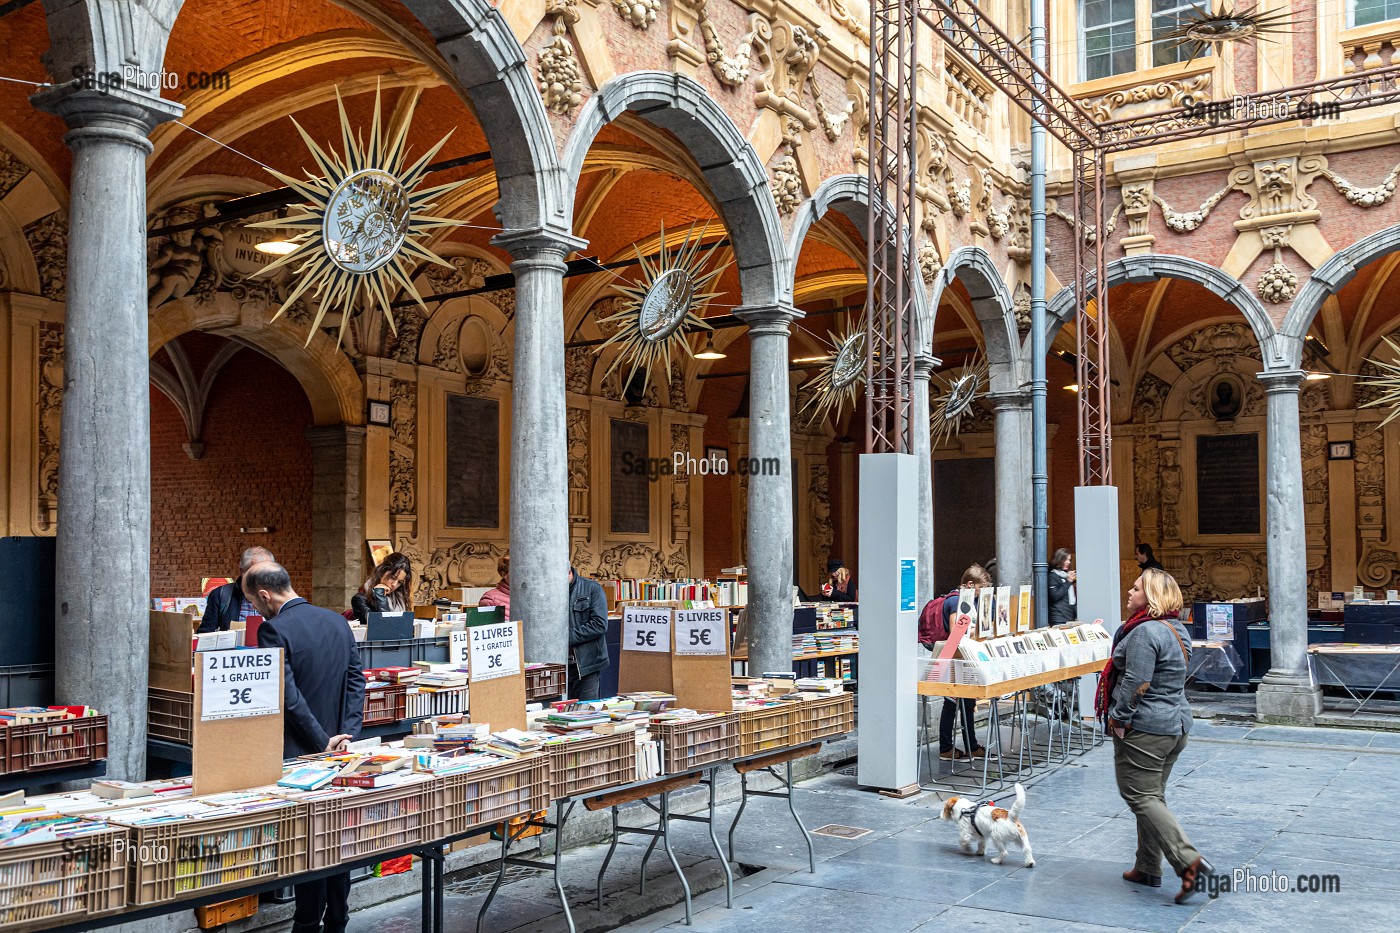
403	448
48	241
50	422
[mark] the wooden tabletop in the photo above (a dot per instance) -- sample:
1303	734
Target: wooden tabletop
812	656
1003	687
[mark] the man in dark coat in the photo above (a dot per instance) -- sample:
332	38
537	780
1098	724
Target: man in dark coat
588	632
323	706
226	603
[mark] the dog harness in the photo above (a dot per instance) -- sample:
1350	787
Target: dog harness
971	815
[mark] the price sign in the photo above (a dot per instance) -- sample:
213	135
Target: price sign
457	648
646	629
240	683
700	631
495	650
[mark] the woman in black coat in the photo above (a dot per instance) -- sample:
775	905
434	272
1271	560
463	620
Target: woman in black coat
1063	603
386	590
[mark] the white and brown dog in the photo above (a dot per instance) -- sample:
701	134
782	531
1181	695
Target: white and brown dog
986	822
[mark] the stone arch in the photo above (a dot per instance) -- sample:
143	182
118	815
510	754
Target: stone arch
850	194
992	304
326	375
1277	351
1328	279
733	171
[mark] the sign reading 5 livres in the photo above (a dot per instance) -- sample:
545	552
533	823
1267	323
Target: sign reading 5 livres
700	631
495	650
646	629
240	683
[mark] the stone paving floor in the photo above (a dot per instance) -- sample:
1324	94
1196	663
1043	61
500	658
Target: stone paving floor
1268	799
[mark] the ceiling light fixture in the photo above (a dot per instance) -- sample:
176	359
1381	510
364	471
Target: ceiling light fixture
277	247
1317	377
710	352
1072	387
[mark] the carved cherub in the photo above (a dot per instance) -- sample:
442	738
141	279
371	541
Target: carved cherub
180	257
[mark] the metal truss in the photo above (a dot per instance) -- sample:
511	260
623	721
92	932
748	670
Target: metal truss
966	29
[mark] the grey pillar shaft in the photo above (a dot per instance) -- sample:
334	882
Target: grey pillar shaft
770	496
1014	511
337	516
922	448
104	474
1287	692
539	475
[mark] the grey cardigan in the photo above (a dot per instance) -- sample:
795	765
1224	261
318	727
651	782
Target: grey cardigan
1151	693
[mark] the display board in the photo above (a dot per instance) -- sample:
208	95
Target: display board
645	663
473	462
1227	484
630	510
964	495
237	735
171	653
701	675
495	673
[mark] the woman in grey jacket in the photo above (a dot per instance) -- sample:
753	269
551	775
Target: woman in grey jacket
1142	696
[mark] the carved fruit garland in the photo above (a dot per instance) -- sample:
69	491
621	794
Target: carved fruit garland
560	74
640	13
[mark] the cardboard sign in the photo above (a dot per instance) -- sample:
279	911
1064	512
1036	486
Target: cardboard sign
495	651
646	629
700	631
240	683
457	647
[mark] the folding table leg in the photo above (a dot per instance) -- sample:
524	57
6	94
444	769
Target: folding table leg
665	827
743	802
806	837
714	840
607	858
500	877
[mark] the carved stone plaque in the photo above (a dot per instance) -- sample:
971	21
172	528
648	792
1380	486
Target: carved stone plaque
1227	484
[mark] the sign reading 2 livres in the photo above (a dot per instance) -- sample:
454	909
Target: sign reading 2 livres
240	683
646	629
700	631
495	650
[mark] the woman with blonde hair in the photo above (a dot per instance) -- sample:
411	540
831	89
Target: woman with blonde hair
1142	700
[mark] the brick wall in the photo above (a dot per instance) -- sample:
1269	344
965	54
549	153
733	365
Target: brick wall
256	471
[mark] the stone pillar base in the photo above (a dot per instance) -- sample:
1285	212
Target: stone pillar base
1287	699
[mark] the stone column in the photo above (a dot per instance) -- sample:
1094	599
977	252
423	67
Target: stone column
1287	693
1013	469
337	516
921	446
770	496
104	475
539	450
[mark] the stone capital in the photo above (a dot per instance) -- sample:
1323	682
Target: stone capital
1281	381
768	319
1009	401
541	243
924	364
112	113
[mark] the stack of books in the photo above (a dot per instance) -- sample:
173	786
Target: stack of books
393	675
582	720
822	686
513	743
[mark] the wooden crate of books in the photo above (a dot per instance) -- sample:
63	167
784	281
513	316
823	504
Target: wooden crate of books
693	743
592	764
768	727
494	794
44	884
545	681
385	703
169	715
349	823
58	744
176	860
827	716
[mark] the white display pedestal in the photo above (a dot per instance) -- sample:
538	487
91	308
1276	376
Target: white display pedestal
889	613
1100	592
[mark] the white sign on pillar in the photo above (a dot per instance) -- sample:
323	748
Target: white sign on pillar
889	611
1099	591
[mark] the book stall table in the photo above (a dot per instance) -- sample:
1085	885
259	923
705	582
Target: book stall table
1356	668
1062	714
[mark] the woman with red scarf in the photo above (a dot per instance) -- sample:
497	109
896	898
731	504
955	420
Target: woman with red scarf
1142	701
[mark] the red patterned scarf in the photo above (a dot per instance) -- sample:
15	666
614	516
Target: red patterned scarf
1108	679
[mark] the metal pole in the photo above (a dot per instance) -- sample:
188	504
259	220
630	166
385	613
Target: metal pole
1040	479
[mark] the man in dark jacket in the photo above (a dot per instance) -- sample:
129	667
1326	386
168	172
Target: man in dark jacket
226	603
1145	559
323	706
588	632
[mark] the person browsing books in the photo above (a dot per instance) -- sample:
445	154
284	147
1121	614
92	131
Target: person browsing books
227	603
588	632
386	590
976	577
323	706
500	594
1063	602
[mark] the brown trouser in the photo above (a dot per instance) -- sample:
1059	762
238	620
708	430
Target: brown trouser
1143	763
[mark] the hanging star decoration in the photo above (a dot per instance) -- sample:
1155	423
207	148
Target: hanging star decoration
360	230
838	382
659	311
1387	382
1200	28
961	391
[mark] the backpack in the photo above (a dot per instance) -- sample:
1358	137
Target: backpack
932	626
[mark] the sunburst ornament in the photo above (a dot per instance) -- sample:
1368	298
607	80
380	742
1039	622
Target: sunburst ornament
660	310
838	382
1201	28
962	389
1387	381
359	234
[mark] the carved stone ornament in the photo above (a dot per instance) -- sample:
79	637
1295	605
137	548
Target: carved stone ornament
1277	187
1364	197
640	13
1278	284
578	461
50	421
1137	207
930	263
832	121
819	498
403	448
1090	234
731	70
856	20
1188	221
787	185
1139	100
1021	306
960	197
12	171
48	241
560	75
788	54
